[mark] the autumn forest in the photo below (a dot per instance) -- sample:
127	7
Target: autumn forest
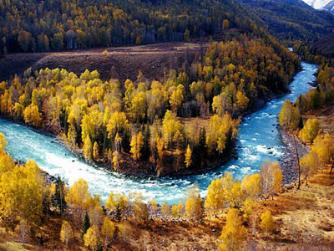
230	147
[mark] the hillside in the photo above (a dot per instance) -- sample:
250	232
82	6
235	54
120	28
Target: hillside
325	46
291	19
30	26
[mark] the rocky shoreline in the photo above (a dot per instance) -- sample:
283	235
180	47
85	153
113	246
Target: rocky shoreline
289	159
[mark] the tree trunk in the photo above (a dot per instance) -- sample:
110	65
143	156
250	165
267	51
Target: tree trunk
298	162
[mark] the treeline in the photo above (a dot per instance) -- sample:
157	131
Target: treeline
189	118
311	54
28	203
291	118
53	25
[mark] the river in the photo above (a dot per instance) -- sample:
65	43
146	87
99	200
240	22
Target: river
258	141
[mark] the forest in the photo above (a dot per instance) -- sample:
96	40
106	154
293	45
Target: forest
148	127
223	141
54	25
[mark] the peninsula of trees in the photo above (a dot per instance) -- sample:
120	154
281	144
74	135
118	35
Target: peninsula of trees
151	127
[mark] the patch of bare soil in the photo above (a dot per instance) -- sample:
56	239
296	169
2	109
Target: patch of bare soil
305	217
120	63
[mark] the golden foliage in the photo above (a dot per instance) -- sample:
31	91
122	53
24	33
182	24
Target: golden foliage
32	116
92	238
289	116
136	144
78	195
272	178
22	191
188	157
193	206
66	233
108	231
267	223
309	131
234	233
309	163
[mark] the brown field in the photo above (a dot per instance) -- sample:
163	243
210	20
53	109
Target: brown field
120	63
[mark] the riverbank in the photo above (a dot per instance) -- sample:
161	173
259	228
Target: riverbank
289	160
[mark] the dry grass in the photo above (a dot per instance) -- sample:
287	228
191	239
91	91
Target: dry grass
15	246
305	217
173	236
118	62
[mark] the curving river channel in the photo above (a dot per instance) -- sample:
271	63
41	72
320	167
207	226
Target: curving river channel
259	140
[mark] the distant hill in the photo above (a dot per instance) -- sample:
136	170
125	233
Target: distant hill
292	19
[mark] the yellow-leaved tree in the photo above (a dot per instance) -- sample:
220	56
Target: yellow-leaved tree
267	223
234	233
214	201
188	157
32	116
3	142
107	231
176	97
289	117
92	238
117	203
323	146
165	210
96	151
309	163
87	148
193	206
242	101
137	142
22	191
309	131
78	197
66	233
251	185
271	178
